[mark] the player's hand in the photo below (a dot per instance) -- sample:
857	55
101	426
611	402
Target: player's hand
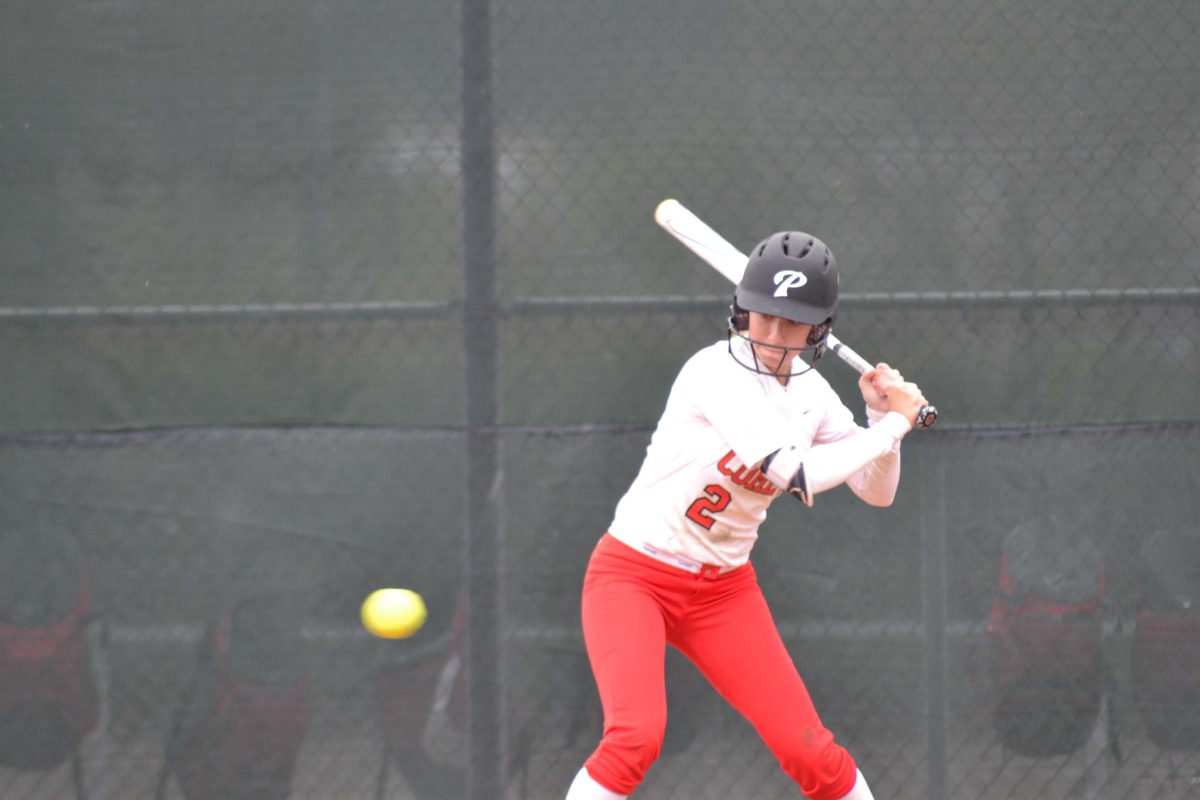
905	398
874	385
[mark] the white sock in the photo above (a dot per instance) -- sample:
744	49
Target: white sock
860	791
585	788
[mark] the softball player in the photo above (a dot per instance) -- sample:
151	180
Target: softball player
747	420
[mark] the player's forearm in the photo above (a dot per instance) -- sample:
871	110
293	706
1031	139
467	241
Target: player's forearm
869	459
877	482
856	458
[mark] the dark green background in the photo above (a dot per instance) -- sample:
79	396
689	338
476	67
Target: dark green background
232	347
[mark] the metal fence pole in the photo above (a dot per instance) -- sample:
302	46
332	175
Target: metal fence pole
933	603
317	230
486	779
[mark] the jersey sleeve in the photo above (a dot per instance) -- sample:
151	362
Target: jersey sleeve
866	459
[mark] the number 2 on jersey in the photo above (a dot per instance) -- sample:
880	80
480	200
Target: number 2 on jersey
716	498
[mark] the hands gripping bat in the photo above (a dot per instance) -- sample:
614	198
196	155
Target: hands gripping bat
731	262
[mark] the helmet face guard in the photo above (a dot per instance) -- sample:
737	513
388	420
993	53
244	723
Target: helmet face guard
794	276
739	323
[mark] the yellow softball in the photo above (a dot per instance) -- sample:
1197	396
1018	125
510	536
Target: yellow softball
393	613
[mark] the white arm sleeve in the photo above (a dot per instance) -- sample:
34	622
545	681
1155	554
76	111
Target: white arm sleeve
868	462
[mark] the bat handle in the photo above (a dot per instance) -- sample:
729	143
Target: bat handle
928	413
927	416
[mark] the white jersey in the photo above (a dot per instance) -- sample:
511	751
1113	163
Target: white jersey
700	496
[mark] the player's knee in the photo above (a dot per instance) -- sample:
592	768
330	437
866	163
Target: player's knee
642	739
823	769
627	751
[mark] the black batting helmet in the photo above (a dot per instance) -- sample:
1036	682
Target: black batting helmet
792	275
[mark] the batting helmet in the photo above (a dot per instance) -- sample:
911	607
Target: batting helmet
792	275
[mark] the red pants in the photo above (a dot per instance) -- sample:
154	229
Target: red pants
633	605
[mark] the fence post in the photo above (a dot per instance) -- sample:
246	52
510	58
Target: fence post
486	778
933	604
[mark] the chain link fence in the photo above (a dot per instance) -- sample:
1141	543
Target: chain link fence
240	352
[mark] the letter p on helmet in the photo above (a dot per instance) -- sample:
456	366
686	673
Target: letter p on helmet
787	279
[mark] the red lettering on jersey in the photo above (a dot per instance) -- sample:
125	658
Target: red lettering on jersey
760	484
754	480
723	468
